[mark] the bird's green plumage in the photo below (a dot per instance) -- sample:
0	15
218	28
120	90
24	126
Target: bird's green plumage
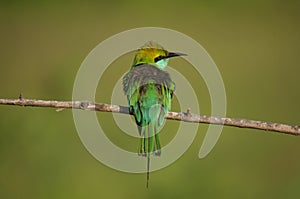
149	91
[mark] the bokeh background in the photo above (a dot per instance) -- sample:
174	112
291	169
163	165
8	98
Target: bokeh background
256	46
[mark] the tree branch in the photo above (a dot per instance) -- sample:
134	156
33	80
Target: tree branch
182	116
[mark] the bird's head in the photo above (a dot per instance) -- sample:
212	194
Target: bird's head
155	54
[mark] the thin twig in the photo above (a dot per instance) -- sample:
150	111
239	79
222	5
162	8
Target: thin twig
180	116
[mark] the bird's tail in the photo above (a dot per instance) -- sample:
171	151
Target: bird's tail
149	144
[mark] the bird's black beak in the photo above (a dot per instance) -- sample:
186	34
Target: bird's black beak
171	54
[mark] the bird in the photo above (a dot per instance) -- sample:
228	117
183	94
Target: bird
149	90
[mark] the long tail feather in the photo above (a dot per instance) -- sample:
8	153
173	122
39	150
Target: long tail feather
148	168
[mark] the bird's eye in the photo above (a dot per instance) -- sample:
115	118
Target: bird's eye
158	58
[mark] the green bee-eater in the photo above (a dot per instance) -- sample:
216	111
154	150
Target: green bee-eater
149	90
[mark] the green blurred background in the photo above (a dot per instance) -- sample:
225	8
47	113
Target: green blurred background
256	46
